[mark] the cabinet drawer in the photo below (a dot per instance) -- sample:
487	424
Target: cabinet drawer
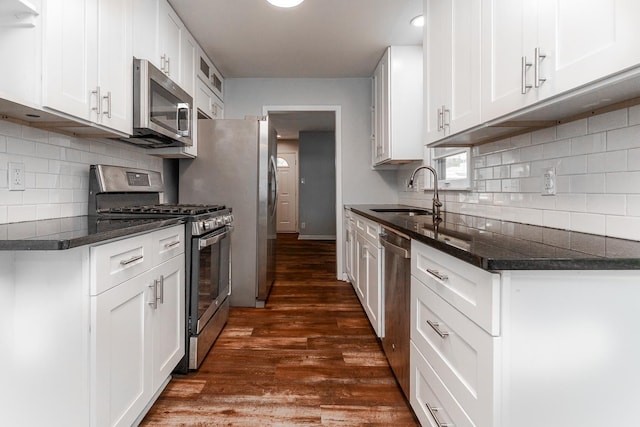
167	243
368	229
427	389
459	351
473	291
115	262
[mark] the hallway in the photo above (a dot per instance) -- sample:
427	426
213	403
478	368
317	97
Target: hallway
309	358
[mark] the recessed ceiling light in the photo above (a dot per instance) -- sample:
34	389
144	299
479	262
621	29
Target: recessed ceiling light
418	21
285	3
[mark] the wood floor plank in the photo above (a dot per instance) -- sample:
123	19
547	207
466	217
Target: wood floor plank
309	358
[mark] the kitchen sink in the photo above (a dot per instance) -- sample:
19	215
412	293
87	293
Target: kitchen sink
404	211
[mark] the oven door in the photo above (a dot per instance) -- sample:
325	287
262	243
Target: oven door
210	275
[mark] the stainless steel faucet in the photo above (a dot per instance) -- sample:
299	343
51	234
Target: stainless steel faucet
437	204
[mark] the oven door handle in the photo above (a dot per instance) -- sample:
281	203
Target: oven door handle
208	241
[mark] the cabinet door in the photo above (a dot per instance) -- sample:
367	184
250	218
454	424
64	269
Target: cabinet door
585	42
170	31
381	110
121	349
145	30
168	319
188	56
115	64
464	93
361	268
437	59
372	293
508	29
70	58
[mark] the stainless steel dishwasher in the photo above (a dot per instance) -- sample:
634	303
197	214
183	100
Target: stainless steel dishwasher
397	303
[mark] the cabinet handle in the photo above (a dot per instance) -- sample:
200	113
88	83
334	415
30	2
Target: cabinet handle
524	66
161	292
168	66
432	410
98	107
437	274
436	327
364	252
172	244
440	119
132	259
446	121
154	299
163	60
536	69
108	99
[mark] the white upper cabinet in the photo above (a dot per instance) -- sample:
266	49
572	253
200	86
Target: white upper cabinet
87	66
533	50
397	106
452	67
588	41
170	30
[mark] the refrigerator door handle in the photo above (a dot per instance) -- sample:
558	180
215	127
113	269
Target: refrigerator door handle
275	184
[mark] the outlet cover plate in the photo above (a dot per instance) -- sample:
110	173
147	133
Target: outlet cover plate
16	176
549	182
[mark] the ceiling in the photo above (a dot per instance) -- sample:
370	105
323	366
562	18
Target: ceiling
317	39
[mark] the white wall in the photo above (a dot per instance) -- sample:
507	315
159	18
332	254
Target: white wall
360	184
597	161
56	171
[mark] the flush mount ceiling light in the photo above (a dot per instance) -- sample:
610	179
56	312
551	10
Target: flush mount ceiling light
418	21
285	3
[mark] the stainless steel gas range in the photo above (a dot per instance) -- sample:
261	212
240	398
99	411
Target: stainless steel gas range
120	194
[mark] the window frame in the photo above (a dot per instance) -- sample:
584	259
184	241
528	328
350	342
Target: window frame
440	154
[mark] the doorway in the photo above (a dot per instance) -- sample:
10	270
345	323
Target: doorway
287	210
288	115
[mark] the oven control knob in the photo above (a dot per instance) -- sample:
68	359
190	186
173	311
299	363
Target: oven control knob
206	225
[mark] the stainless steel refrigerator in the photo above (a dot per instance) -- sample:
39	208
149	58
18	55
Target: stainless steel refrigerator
236	166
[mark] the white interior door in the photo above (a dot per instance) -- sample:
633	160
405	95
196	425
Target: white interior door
287	213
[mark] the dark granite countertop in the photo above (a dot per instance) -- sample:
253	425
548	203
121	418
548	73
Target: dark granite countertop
492	244
71	232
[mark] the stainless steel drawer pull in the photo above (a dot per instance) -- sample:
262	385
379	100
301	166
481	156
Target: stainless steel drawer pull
433	411
536	70
172	244
132	259
524	65
437	274
160	296
436	327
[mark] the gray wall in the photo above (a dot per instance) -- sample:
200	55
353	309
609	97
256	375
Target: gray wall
317	204
360	184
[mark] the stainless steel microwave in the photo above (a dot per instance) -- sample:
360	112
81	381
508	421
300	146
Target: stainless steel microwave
161	109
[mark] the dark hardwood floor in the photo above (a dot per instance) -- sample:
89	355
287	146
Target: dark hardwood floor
309	357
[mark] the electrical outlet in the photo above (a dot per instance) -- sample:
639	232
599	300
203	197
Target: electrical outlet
549	182
303	225
16	176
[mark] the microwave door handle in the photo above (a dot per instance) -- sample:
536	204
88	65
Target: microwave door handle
183	106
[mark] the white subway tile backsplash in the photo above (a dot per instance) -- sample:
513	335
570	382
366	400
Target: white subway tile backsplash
593	143
56	171
571	202
528	154
484	173
633	160
520	170
501	172
588	223
623	227
521	140
556	219
493	185
610	204
633	205
543	135
607	121
623	182
625	138
494	159
509	157
553	150
572	165
634	115
571	129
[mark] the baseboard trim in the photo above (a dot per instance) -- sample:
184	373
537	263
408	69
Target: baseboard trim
315	237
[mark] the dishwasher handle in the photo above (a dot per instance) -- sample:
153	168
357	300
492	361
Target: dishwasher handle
397	250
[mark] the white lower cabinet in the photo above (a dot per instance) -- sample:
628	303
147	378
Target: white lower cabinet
565	353
363	257
138	340
92	333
